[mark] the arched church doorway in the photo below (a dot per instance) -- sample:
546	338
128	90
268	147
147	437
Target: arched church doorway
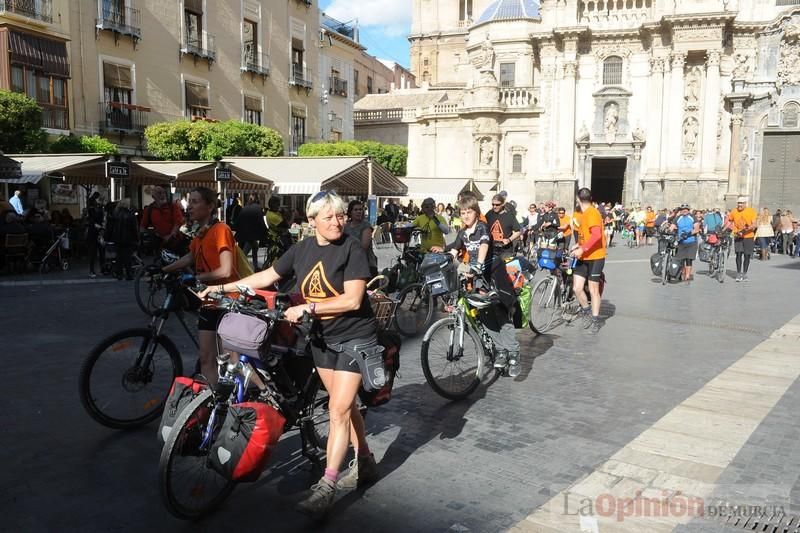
608	178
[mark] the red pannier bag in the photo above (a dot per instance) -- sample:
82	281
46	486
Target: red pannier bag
183	391
391	343
244	445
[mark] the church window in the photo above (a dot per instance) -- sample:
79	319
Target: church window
790	115
516	163
612	70
507	74
465	10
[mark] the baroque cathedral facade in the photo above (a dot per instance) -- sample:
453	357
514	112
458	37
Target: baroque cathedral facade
647	102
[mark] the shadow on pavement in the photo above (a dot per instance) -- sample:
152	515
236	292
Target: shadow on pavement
531	348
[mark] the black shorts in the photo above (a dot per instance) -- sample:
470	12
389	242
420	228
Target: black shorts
649	231
744	246
591	270
326	358
686	252
208	318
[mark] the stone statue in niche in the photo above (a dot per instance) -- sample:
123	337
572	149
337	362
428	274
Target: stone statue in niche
583	134
486	152
742	66
610	121
638	134
789	61
693	87
690	132
487	55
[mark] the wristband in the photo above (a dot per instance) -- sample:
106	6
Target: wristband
312	308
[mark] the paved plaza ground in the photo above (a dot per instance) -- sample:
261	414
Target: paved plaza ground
686	389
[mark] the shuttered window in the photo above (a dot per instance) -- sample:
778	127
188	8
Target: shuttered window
612	71
197	100
117	76
252	110
516	163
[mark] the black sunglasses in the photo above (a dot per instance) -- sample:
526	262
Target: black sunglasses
496	205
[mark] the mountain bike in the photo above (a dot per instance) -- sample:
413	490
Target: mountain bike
125	380
456	350
719	253
668	246
284	378
553	295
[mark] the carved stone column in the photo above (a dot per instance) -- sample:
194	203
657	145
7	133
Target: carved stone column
733	165
710	114
675	117
566	119
656	103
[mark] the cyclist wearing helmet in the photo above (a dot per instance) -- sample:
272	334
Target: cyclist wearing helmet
688	228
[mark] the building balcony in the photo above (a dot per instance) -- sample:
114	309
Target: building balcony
518	97
338	86
255	63
37	10
382	116
54	117
123	118
126	21
300	77
201	46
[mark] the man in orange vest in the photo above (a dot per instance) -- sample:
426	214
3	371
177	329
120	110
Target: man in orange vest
590	250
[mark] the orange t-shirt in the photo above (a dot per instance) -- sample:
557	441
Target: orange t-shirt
740	219
163	218
589	219
207	249
565	221
650	219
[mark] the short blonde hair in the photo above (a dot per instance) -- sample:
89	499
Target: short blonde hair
323	199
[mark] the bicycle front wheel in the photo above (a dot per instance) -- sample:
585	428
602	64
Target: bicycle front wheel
414	311
452	359
721	267
150	293
545	302
189	487
125	379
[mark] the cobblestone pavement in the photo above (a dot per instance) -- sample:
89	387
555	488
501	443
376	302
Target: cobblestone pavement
479	465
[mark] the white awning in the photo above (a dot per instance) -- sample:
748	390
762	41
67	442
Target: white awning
308	175
36	167
444	190
189	174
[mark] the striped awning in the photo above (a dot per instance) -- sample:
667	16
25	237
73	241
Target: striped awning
308	175
186	175
82	168
445	190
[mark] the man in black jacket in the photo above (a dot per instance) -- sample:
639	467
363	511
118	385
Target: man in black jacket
250	228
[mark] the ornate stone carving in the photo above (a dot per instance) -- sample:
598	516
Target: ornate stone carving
570	68
789	62
742	65
699	33
691	130
602	53
485	58
692	90
713	58
657	65
610	121
583	134
486	152
678	60
638	134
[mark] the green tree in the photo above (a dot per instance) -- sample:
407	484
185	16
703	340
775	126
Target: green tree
393	157
86	144
20	124
205	141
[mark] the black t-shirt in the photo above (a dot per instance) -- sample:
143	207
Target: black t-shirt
552	218
501	226
321	272
471	243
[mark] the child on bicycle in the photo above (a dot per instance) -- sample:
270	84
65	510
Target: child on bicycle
474	240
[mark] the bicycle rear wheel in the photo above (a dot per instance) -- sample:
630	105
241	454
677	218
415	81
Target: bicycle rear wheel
189	487
545	302
150	293
453	367
126	378
414	311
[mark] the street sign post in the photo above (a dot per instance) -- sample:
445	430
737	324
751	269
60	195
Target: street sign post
223	174
116	170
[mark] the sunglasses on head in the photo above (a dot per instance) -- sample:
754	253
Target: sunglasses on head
322	194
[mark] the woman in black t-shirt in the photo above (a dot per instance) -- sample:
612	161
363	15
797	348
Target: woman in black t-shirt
332	272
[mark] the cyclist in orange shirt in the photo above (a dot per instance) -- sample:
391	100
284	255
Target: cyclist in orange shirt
590	250
565	226
742	221
649	224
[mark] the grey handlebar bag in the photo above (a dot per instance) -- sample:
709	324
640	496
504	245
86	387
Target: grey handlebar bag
243	333
368	354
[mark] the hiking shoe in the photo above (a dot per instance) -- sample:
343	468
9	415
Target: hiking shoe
361	472
586	320
738	278
595	326
501	359
319	499
513	365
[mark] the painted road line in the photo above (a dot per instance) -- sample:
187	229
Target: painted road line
32	283
663	477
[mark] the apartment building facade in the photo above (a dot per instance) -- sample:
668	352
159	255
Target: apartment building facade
339	48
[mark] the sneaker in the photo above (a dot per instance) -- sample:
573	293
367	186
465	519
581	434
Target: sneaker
586	320
319	499
501	359
745	278
513	365
595	325
738	278
361	472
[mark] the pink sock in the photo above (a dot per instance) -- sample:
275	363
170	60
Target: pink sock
363	452
331	474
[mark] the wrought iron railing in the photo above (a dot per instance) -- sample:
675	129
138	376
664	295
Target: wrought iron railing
123	117
127	21
200	45
338	86
33	9
254	62
300	76
54	116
